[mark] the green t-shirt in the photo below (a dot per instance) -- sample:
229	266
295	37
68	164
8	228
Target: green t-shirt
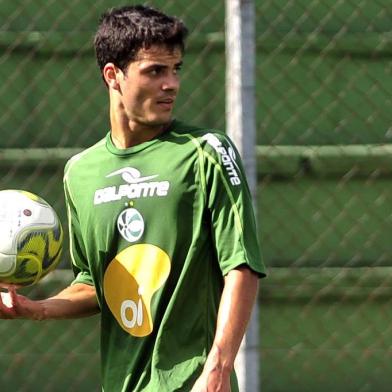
154	228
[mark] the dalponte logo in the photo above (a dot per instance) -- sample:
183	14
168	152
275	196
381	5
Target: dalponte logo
131	280
137	186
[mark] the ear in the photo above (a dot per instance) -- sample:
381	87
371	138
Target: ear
112	74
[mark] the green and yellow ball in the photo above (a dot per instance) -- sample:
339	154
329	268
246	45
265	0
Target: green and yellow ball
31	238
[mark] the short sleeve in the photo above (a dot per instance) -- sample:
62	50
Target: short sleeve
229	202
77	249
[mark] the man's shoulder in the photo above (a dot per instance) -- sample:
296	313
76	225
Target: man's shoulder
86	157
197	133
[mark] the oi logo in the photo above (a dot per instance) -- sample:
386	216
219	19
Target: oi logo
131	280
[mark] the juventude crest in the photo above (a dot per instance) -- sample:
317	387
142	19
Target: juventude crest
130	224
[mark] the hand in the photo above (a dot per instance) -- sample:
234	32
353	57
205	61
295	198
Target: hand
213	379
212	383
13	305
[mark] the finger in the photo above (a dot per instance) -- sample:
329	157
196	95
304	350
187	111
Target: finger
6	300
7	286
13	296
7	309
4	285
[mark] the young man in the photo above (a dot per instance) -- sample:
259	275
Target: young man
162	232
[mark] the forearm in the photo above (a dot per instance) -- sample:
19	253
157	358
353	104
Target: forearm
75	301
235	308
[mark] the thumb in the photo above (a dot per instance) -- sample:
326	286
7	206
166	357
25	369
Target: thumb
13	295
6	299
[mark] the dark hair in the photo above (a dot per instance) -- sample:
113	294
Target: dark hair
122	32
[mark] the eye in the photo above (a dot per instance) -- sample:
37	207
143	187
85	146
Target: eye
155	71
177	69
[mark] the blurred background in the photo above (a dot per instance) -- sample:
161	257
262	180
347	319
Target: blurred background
324	156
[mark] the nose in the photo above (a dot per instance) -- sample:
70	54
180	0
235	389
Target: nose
171	83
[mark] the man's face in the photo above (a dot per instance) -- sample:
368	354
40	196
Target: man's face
150	85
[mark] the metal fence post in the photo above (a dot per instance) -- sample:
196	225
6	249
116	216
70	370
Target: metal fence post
241	127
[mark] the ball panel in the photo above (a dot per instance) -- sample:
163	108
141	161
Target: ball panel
28	270
18	212
34	197
7	264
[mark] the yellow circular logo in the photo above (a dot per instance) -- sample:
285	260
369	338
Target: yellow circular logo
130	282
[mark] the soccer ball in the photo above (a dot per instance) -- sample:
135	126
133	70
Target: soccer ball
31	238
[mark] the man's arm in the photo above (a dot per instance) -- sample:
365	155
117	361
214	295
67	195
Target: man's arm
78	300
235	308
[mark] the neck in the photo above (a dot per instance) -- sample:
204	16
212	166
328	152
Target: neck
127	133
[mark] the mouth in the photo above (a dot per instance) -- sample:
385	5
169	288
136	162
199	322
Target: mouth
166	100
166	103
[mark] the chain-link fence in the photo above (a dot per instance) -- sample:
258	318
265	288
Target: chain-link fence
324	125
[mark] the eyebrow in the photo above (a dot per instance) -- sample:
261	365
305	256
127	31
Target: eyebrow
160	65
